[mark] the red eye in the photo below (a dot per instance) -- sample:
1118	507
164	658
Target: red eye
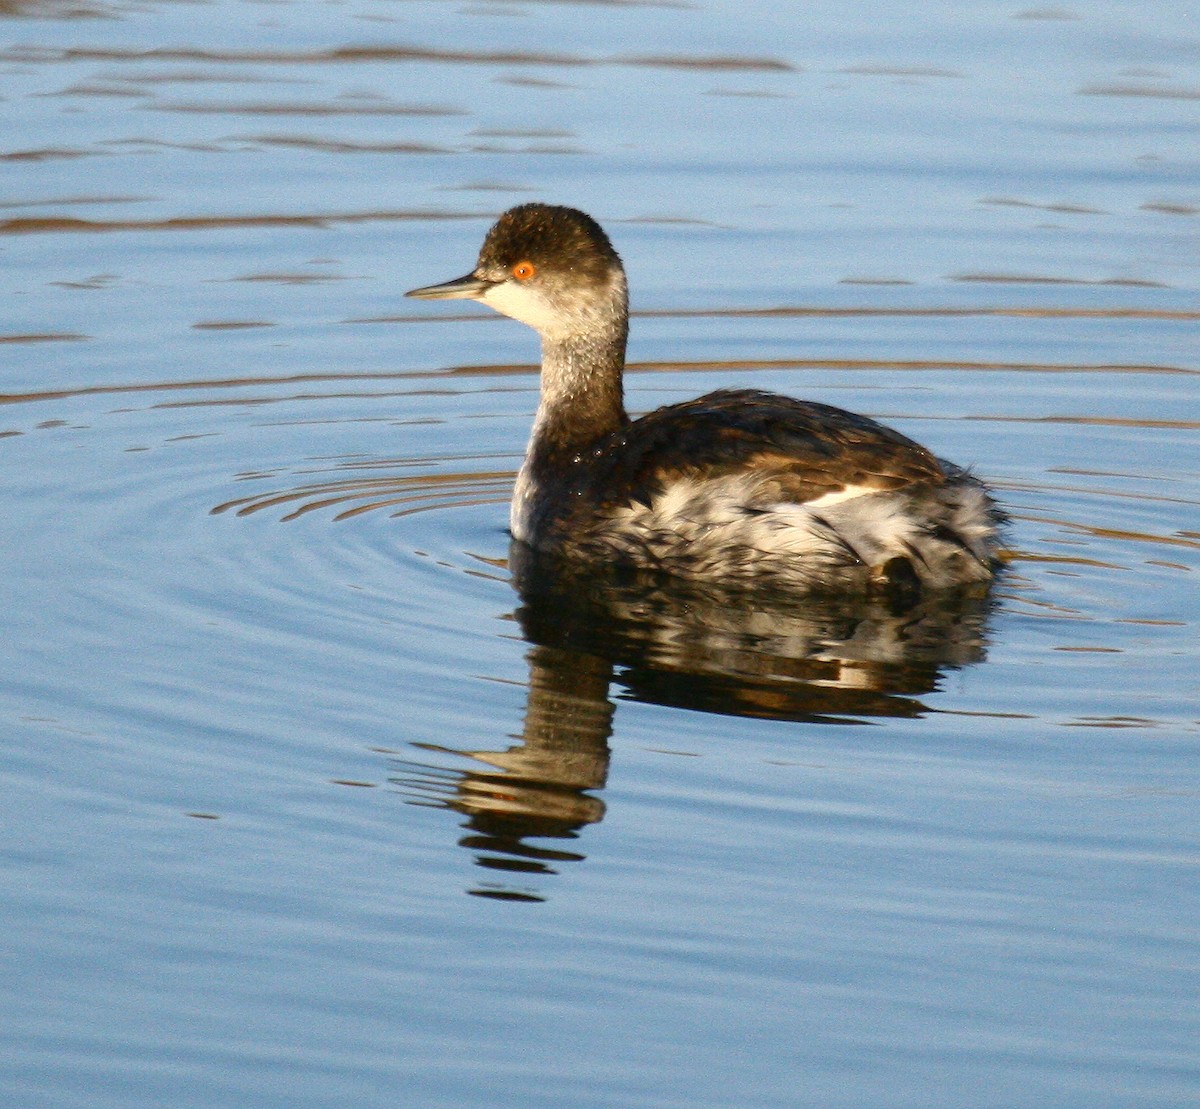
523	271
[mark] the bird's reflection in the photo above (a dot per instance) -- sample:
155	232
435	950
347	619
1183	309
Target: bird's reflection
540	787
819	659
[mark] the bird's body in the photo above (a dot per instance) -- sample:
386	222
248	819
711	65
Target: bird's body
740	487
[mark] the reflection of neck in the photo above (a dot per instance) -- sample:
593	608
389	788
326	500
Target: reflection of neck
567	722
538	785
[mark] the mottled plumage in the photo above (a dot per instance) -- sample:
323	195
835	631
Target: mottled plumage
740	486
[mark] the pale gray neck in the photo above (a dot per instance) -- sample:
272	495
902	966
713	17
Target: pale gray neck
581	402
582	398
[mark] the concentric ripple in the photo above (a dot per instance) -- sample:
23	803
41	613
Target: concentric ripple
396	495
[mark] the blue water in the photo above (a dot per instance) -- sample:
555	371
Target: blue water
307	806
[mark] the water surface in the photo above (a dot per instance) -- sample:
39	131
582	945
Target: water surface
313	799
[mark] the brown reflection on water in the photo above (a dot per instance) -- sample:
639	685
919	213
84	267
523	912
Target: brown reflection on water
289	278
323	108
202	385
221	75
230	325
27	225
1142	495
1122	534
833	659
523	133
390	53
1062	207
777	655
44	154
1051	279
340	146
881	69
1094	421
523	148
42	337
351	54
1051	15
83	198
539	788
1141	91
724	63
1170	208
55	9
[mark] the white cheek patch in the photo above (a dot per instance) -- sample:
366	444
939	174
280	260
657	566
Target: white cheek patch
522	304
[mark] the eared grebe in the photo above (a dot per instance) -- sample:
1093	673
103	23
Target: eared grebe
739	487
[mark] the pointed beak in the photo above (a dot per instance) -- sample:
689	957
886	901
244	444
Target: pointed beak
467	287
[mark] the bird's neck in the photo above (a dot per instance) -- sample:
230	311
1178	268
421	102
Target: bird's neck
582	399
581	403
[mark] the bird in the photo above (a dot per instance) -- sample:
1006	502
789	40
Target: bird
739	488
